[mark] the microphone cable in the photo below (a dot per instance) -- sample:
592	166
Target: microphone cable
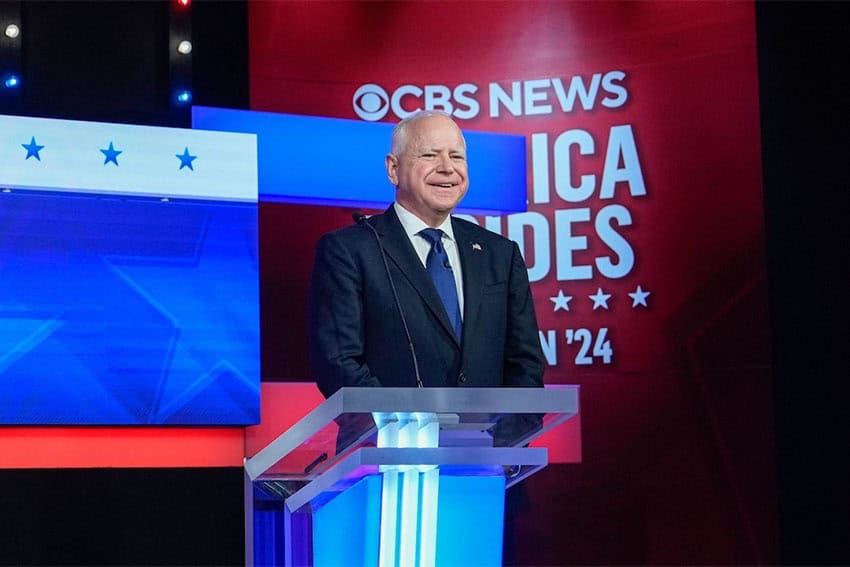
361	219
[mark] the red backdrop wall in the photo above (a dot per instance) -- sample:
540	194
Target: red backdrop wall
644	176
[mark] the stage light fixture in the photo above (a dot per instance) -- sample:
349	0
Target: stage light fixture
179	55
11	81
12	31
184	96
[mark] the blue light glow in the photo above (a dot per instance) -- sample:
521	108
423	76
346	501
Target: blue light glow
469	532
345	530
341	162
465	501
120	311
129	290
184	96
12	82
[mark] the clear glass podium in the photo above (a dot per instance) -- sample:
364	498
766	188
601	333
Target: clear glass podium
397	476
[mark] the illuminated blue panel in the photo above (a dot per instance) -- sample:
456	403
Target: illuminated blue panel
470	520
122	310
345	531
332	161
129	286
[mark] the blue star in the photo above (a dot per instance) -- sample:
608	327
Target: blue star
111	154
186	159
32	149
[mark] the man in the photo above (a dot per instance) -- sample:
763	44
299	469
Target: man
472	326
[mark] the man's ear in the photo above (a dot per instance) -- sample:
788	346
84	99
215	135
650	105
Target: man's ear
392	169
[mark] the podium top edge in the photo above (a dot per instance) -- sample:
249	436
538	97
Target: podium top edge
560	402
562	399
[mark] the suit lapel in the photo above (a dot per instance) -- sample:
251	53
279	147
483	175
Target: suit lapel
400	251
472	263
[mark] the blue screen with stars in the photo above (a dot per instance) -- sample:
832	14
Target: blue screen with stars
127	310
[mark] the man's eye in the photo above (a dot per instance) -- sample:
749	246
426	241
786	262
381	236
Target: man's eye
428	155
458	157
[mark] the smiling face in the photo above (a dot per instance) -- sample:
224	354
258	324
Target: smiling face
428	167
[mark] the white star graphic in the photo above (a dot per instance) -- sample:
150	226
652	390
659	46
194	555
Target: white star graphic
639	297
600	299
561	301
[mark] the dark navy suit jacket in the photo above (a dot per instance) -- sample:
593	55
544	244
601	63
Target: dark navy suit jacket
356	333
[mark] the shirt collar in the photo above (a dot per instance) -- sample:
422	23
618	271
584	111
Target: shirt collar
413	225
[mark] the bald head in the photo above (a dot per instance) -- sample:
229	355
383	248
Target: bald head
400	132
428	166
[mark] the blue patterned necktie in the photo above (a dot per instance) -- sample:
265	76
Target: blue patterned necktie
438	266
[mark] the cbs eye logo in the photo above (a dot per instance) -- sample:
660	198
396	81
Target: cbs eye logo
371	102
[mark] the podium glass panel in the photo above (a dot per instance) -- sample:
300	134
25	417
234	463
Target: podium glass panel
385	451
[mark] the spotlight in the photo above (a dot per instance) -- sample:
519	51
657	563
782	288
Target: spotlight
11	82
12	31
184	3
184	96
185	47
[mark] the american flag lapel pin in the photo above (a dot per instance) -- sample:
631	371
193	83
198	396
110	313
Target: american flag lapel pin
476	246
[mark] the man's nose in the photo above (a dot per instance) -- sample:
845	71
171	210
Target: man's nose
445	163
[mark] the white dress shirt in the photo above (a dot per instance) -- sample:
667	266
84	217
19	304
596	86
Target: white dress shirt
413	225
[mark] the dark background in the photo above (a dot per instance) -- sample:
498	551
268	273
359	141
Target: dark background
108	61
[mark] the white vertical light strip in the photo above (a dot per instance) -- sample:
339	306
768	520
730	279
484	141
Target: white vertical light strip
428	524
409	518
409	493
429	430
429	434
388	436
409	513
388	429
389	519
